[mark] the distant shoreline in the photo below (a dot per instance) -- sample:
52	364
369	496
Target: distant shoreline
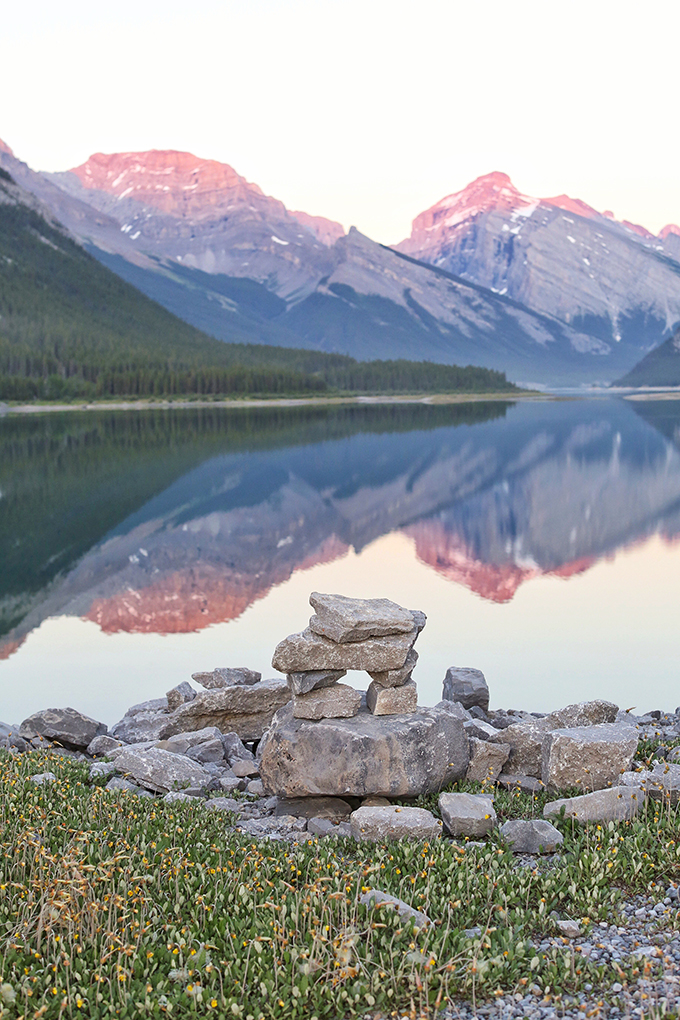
146	405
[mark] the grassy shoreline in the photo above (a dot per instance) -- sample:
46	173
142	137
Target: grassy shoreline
145	404
111	905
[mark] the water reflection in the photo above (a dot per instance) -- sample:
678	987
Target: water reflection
168	522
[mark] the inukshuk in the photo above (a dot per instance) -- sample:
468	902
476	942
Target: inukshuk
373	635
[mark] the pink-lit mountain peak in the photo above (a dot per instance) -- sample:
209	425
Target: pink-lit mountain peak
4	147
173	182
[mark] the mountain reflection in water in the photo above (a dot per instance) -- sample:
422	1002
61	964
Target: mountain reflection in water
169	521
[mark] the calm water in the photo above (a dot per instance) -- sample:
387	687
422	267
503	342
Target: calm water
540	538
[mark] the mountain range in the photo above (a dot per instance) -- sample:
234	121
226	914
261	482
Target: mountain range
548	290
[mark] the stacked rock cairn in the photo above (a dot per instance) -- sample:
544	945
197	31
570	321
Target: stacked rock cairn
372	635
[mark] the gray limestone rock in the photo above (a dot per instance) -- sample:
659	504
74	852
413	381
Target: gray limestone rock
103	745
526	746
118	785
466	686
345	620
619	803
665	782
397	677
207	751
230	783
246	711
467	814
247	767
102	769
222	804
585	713
41	778
525	784
392	756
375	899
319	826
392	700
455	709
309	651
380	824
303	683
180	695
235	749
66	726
161	771
591	757
177	797
236	676
282	827
337	702
570	929
483	730
313	807
183	742
142	722
486	760
531	836
255	787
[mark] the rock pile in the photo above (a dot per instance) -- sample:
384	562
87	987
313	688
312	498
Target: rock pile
336	741
373	635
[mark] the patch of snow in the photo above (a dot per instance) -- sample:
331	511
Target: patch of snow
587	261
570	238
278	240
567	220
126	192
284	541
133	237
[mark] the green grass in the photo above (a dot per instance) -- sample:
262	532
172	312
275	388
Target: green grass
114	906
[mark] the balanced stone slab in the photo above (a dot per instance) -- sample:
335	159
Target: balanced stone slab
337	702
312	680
246	711
344	619
466	686
584	713
390	756
467	814
392	700
617	804
591	757
227	676
309	651
397	677
380	824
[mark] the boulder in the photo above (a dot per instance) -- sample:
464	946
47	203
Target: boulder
466	686
393	756
664	783
531	836
526	746
103	745
283	827
41	778
397	677
585	713
180	695
392	700
525	784
481	729
246	711
591	757
309	651
235	749
380	824
467	814
346	620
207	752
386	902
118	785
320	826
161	771
337	702
142	722
314	807
66	726
303	683
613	805
486	760
235	676
182	742
242	769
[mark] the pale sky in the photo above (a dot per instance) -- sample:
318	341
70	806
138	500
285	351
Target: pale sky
365	111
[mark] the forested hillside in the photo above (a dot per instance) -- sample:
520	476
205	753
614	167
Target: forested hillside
69	327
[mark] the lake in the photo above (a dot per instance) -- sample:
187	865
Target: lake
541	539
